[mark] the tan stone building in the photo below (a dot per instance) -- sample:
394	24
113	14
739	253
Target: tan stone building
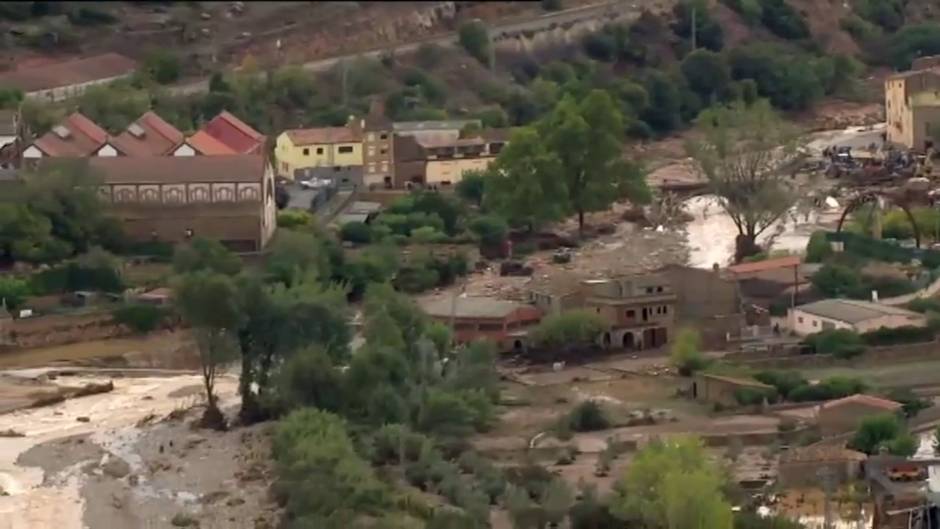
912	104
378	153
717	389
440	160
173	199
844	415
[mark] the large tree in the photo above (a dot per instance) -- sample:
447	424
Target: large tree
747	154
673	485
208	302
586	137
526	184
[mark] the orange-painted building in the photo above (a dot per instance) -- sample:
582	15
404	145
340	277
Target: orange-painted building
504	323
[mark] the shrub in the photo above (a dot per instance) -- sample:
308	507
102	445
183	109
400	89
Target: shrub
911	402
784	381
836	280
750	10
89	16
13	291
588	416
783	20
830	388
163	66
474	38
570	329
427	235
909	43
752	396
899	335
490	229
686	353
875	432
73	276
356	232
291	219
818	248
140	317
861	30
551	5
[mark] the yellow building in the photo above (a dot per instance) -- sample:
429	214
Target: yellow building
912	107
318	152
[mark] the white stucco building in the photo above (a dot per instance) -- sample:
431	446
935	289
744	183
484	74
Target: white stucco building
859	316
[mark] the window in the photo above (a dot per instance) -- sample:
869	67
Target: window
371	136
491	326
815	323
319	150
665	309
649	290
371	151
345	149
383	136
631	313
383	151
659	289
306	152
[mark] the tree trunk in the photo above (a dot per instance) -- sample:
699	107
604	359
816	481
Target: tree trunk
250	411
745	245
581	223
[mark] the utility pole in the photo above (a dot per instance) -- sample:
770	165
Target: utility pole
825	478
694	29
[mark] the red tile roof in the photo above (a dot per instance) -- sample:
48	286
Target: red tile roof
869	400
789	261
176	169
323	135
83	139
206	145
234	133
69	73
157	139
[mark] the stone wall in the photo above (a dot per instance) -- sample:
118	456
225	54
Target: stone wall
885	354
60	329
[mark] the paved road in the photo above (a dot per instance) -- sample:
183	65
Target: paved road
622	8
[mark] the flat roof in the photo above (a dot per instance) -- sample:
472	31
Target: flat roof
852	310
789	261
471	307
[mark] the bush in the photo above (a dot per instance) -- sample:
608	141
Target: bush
73	276
830	388
474	38
570	329
841	343
588	416
13	292
750	10
836	280
490	229
292	219
140	317
356	232
912	403
909	43
89	16
818	248
861	30
427	235
783	20
875	432
163	66
753	396
551	5
784	381
686	353
899	335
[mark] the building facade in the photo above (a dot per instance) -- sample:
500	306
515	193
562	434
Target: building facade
800	466
503	323
721	390
329	148
378	151
855	315
912	105
441	161
171	199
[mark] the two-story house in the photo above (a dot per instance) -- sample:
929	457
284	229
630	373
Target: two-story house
378	158
912	104
640	309
328	152
441	160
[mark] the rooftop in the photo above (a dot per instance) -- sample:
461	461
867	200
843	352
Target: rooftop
69	73
206	145
150	135
76	136
234	133
324	135
853	311
179	169
471	307
455	124
869	400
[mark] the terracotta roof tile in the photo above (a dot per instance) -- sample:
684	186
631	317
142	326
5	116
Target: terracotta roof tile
83	138
869	400
158	138
69	73
234	133
323	135
206	145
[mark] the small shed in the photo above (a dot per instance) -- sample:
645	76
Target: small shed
844	415
718	389
853	314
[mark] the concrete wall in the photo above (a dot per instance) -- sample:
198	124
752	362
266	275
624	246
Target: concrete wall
65	92
291	157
